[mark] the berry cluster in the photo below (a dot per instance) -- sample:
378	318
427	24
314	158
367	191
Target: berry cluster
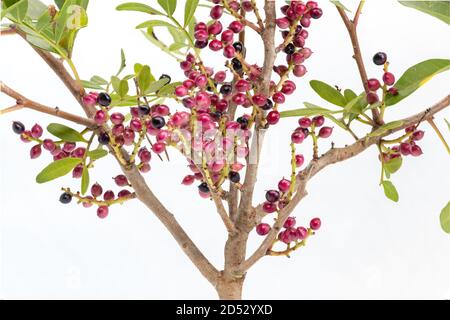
388	80
408	146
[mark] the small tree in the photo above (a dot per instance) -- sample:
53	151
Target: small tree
220	117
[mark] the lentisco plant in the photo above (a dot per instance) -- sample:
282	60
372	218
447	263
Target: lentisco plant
216	117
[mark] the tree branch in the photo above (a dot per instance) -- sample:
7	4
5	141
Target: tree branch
332	156
351	28
142	190
23	102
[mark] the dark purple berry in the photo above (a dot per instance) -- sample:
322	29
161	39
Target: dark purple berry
272	195
103	138
104	99
158	122
379	58
203	187
18	127
65	198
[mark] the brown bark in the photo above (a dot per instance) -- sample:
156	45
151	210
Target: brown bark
229	288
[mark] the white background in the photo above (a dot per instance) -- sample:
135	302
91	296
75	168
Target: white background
368	247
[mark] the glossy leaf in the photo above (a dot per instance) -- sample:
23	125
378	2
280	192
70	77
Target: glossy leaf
168	90
437	9
36	9
65	133
99	80
17	11
328	93
57	169
123	62
84	180
90	85
390	191
189	11
415	77
140	7
444	217
169	6
393	165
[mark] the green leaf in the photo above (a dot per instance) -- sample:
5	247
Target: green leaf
339	4
156	85
144	78
36	9
123	88
90	85
349	95
155	23
328	93
177	46
310	110
390	191
168	90
357	104
444	217
99	80
115	81
169	6
385	128
84	180
57	169
189	11
417	76
448	124
438	9
134	6
65	133
123	62
97	154
17	11
393	165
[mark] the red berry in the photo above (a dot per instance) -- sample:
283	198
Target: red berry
262	229
373	84
372	98
236	26
100	117
416	151
278	97
108	195
418	135
318	121
273	117
302	233
315	224
49	145
388	78
325	132
284	185
288	87
96	190
102	212
216	12
405	148
269	207
297	137
188	180
36	131
289	223
304	122
121	180
35	151
159	147
299	160
216	45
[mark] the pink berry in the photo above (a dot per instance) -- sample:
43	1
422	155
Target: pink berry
418	135
236	26
117	118
96	190
302	233
216	45
416	151
299	160
121	180
405	148
108	195
188	180
35	151
159	147
269	207
100	117
297	137
278	97
36	131
304	122
372	98
216	12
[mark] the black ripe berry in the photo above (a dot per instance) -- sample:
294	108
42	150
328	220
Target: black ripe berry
104	99
201	44
165	76
243	122
103	138
18	127
226	89
238	46
379	58
143	110
268	105
158	122
216	115
203	187
65	198
237	65
272	195
234	177
289	49
305	131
